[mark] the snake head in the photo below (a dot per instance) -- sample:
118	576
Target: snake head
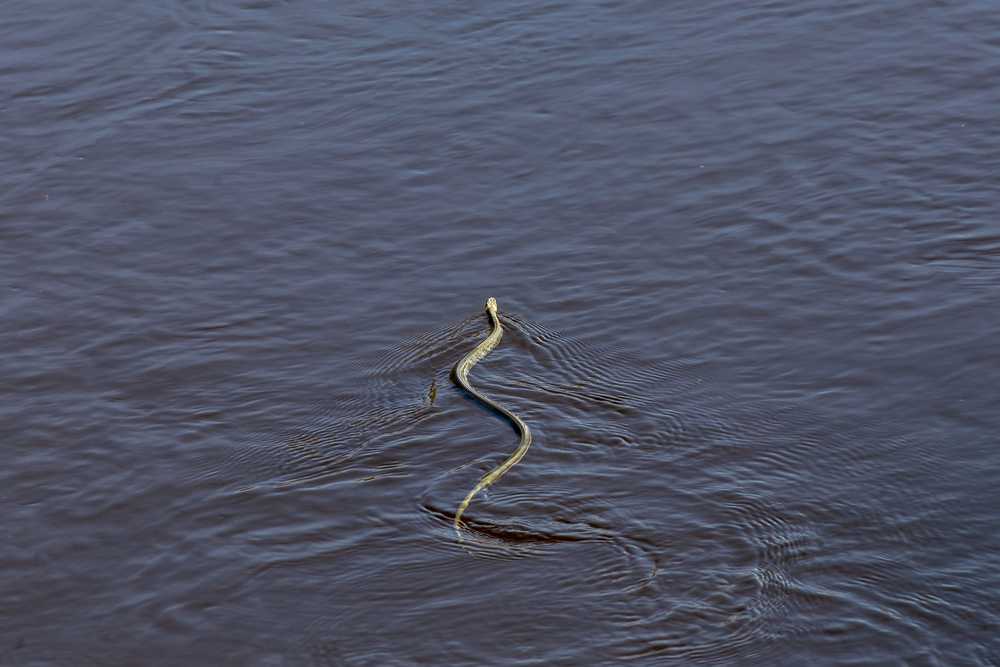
491	305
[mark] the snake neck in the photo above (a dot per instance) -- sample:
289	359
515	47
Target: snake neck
462	368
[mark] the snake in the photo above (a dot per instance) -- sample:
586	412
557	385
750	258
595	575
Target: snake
460	374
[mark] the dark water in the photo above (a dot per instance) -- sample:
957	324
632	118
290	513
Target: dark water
748	256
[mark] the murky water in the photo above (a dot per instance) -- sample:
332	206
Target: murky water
748	260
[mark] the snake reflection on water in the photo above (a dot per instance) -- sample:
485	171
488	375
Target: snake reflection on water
460	374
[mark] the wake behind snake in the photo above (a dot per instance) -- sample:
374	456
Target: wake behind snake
460	374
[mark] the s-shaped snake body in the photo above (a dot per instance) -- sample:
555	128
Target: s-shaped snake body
460	374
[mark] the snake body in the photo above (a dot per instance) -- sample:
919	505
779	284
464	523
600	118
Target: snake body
460	374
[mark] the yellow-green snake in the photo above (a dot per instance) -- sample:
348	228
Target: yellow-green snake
460	374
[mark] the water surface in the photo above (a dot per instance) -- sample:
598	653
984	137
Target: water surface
748	260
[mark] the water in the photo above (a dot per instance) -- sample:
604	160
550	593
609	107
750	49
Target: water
748	258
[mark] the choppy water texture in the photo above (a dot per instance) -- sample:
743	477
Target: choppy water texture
747	256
